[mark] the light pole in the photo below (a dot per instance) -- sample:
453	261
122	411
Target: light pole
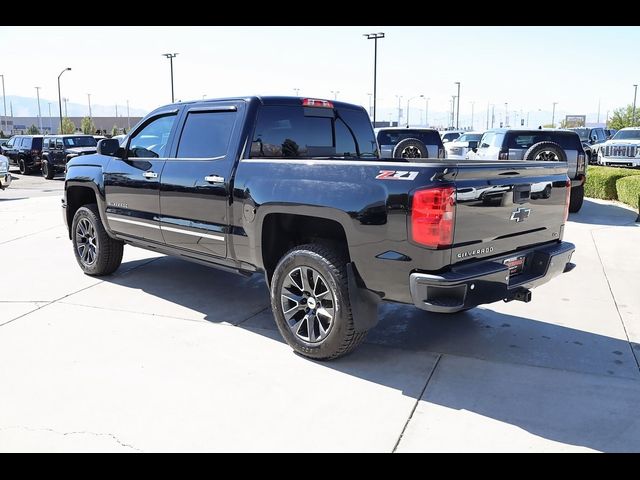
458	109
553	115
128	118
4	101
426	112
488	105
453	111
598	111
506	114
39	112
633	116
50	122
370	108
89	98
60	96
335	94
399	108
65	100
297	90
374	37
418	96
493	115
171	56
472	107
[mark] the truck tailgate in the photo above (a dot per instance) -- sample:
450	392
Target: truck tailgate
506	206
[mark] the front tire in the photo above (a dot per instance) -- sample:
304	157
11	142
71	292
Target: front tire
310	303
24	170
96	252
576	199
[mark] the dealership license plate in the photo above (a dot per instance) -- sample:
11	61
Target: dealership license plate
515	264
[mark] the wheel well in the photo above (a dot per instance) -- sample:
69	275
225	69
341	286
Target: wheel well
282	231
76	198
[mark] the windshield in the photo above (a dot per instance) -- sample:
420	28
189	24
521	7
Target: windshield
627	135
469	137
582	132
80	142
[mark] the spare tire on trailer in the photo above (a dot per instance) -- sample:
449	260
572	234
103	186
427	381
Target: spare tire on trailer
410	148
545	152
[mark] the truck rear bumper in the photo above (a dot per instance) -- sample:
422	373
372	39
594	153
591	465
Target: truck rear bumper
488	281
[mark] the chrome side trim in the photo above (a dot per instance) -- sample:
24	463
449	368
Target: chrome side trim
132	222
195	234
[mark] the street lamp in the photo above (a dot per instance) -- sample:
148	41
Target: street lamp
553	115
453	111
506	114
89	98
335	94
426	112
50	123
374	37
633	117
39	112
472	108
399	97
60	96
458	109
370	110
171	56
418	96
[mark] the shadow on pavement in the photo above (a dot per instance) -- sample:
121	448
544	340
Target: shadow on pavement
594	213
585	410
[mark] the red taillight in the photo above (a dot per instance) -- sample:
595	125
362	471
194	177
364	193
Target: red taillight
314	102
581	165
567	200
503	155
432	216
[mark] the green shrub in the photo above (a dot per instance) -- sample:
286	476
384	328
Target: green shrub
601	181
629	190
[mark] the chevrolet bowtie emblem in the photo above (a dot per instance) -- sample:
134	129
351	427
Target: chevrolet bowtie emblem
521	214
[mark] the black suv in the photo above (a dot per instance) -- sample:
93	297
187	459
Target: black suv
25	151
591	139
57	150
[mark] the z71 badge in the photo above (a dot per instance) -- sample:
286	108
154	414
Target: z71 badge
396	175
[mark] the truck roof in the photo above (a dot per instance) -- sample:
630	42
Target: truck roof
268	100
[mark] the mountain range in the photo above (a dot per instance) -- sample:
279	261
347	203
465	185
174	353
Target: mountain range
28	107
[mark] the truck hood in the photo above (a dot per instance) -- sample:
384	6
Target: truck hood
81	150
621	142
453	144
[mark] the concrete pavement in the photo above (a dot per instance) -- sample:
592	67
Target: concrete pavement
166	355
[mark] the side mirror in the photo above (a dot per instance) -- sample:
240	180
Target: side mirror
473	145
446	140
109	147
594	138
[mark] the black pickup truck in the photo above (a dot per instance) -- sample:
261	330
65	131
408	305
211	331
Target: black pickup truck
294	187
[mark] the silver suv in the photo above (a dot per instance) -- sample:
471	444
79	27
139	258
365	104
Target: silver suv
396	142
539	145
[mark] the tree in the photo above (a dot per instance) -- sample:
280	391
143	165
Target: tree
622	117
33	130
114	131
67	126
87	126
548	125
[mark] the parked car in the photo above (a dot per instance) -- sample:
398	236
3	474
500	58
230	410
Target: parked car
623	150
25	151
610	132
57	150
5	176
99	137
3	141
120	138
539	145
396	142
465	143
450	135
592	139
294	188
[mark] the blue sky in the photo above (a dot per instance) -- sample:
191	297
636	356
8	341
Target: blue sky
528	67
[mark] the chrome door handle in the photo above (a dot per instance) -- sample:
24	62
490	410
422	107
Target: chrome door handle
214	179
150	175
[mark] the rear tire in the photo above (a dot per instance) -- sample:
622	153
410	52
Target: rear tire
545	152
96	252
24	170
576	199
47	172
310	303
410	148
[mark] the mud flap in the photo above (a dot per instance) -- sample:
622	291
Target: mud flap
364	303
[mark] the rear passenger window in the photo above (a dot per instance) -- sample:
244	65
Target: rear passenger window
26	142
206	134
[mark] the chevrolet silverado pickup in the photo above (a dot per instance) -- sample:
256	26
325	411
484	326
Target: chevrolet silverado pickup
295	188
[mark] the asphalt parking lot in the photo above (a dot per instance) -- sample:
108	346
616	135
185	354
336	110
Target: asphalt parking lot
167	355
